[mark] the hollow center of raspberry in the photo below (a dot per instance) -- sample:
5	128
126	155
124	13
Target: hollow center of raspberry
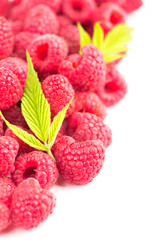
29	172
43	52
116	17
110	87
77	8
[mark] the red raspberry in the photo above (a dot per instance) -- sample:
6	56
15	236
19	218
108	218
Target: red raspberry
109	14
16	26
10	88
71	35
58	92
15	117
17	66
86	71
79	162
31	204
8	151
87	126
114	88
22	42
1	126
118	2
6	38
5	6
41	20
4	216
79	11
63	22
7	188
47	52
38	165
131	5
20	11
90	102
23	147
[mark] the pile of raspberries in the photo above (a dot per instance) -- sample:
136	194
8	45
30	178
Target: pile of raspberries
48	29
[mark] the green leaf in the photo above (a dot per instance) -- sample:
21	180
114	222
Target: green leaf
56	125
24	136
84	36
35	107
98	36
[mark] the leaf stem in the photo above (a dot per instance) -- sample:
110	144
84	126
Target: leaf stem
49	152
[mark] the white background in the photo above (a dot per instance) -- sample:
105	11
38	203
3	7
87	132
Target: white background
123	202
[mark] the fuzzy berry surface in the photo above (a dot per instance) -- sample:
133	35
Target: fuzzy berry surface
22	42
87	71
109	15
8	152
11	89
7	188
58	91
42	20
6	38
79	11
31	204
23	147
47	52
14	116
114	88
91	103
87	126
79	162
38	165
4	216
17	66
1	127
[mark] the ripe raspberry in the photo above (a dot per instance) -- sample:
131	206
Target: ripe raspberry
17	66
38	165
15	117
31	204
87	126
16	26
89	102
4	216
114	88
23	147
118	2
131	5
10	88
63	22
71	35
5	6
79	11
7	188
1	126
58	92
87	71
79	162
41	20
109	14
6	38
8	151
47	52
22	42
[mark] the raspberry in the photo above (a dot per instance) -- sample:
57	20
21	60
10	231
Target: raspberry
6	38
8	151
89	102
109	14
14	116
58	92
86	71
114	88
131	5
79	162
4	216
47	52
79	11
118	2
1	127
4	7
16	26
23	147
71	35
31	204
63	22
22	42
87	126
7	188
41	20
38	165
17	66
10	89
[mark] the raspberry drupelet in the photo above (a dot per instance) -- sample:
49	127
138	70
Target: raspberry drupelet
4	216
7	188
